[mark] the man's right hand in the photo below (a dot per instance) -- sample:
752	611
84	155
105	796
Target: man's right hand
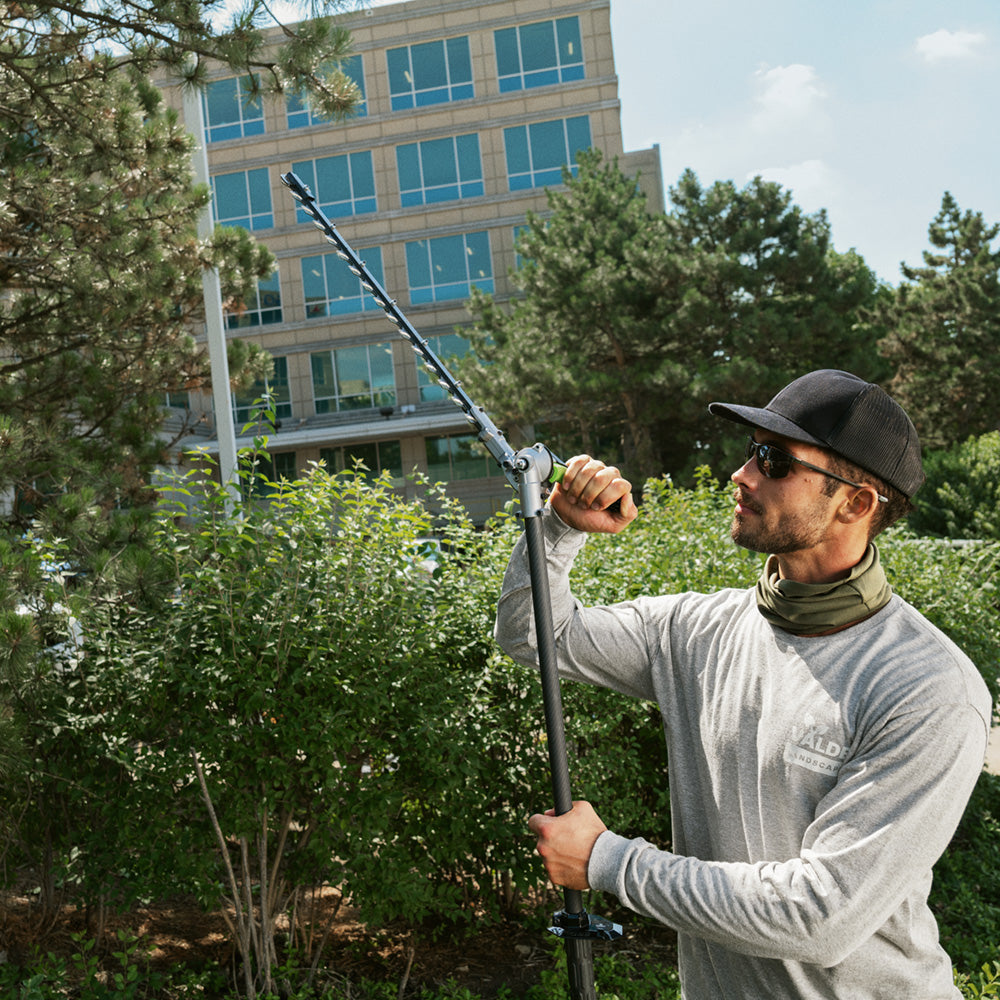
585	493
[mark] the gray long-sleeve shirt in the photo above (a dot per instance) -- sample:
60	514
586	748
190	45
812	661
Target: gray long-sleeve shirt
813	782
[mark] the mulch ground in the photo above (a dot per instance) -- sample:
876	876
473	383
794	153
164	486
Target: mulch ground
179	933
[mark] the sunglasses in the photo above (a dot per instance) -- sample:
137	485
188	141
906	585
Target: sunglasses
775	463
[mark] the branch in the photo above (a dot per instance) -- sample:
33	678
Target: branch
242	920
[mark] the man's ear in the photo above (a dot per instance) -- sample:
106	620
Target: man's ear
859	505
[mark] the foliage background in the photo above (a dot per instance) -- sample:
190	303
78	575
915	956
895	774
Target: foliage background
961	498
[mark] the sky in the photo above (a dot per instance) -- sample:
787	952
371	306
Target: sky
869	109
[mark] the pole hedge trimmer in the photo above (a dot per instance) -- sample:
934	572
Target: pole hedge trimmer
531	472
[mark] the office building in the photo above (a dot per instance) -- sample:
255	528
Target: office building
470	110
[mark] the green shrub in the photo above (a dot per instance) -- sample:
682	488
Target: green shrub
679	542
961	498
84	975
71	808
985	984
307	690
957	587
617	976
966	892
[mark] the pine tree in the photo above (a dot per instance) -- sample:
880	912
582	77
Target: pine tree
101	267
943	330
765	299
101	273
578	354
629	323
188	37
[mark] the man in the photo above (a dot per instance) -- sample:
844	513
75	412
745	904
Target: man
823	738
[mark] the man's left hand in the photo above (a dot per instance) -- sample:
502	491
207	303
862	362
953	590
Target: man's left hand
565	843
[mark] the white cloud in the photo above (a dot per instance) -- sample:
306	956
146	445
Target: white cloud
944	44
788	122
813	183
786	94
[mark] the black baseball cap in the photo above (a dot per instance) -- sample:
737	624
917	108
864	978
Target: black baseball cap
854	418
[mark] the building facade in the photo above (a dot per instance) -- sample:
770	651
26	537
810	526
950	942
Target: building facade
471	108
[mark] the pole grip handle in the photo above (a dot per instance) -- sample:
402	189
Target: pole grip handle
558	471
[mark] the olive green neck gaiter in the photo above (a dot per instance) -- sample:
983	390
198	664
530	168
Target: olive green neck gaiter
815	608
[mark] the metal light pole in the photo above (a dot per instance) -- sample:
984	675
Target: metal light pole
225	430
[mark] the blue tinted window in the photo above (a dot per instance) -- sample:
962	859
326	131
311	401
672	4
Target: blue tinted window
540	54
440	163
569	49
439	170
429	66
518	153
429	73
538	47
299	110
537	153
459	67
400	77
508	55
353	378
448	266
411	177
243	199
230	110
548	144
470	164
343	185
332	289
262	309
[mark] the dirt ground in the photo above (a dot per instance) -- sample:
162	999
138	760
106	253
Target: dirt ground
179	932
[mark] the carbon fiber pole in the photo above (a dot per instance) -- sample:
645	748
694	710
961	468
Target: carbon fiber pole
573	924
579	951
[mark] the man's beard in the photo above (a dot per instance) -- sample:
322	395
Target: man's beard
792	531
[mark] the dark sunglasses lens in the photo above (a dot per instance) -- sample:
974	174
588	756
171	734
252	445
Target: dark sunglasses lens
771	461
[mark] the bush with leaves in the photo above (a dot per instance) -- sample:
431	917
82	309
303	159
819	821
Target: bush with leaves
304	688
961	498
953	586
966	892
985	984
66	826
